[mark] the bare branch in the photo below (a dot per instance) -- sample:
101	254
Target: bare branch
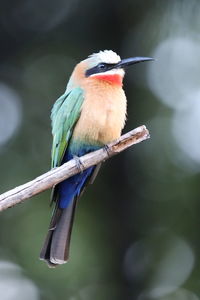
54	176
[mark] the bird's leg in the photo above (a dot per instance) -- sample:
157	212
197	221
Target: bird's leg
79	164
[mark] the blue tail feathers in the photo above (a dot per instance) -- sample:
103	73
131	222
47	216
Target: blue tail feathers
71	187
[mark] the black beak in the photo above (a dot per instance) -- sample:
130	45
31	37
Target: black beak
132	60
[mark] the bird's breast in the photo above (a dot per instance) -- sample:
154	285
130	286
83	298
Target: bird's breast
103	114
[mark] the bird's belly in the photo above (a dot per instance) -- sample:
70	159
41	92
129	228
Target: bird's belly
107	128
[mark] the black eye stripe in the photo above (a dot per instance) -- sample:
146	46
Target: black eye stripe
101	67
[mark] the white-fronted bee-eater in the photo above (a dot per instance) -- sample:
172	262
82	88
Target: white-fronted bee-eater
90	114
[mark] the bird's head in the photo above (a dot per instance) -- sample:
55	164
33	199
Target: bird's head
106	66
103	66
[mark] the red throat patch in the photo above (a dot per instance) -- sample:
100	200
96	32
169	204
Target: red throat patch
111	78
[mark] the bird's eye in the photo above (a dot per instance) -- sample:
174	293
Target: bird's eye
102	66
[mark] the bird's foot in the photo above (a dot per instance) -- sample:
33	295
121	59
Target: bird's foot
106	148
79	164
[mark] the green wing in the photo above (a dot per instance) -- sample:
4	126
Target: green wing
65	113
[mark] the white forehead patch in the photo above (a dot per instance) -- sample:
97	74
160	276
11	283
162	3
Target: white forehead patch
106	56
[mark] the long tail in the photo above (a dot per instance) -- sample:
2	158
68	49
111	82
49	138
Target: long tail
55	250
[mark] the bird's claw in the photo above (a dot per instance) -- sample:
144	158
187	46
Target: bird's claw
106	148
52	228
79	164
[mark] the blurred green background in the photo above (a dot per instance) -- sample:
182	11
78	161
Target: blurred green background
136	232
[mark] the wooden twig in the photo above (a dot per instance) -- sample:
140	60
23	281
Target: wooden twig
54	176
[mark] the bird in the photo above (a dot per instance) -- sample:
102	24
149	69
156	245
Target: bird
90	114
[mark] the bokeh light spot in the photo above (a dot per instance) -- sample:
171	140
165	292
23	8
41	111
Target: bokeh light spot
10	112
14	285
